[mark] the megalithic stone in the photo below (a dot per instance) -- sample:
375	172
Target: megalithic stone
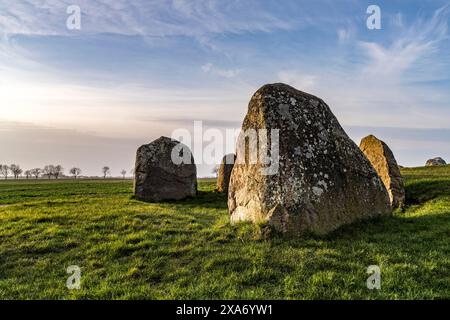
383	160
224	172
164	170
321	181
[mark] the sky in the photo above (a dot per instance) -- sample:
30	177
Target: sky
137	70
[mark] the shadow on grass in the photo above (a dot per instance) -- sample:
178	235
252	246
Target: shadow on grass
396	228
391	227
417	192
421	191
207	199
226	261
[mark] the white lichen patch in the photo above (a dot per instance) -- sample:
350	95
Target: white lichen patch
317	191
323	184
323	135
314	103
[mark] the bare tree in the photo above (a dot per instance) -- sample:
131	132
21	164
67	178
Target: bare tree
106	170
48	170
27	174
58	171
16	170
36	172
215	170
132	171
123	173
4	170
13	169
75	172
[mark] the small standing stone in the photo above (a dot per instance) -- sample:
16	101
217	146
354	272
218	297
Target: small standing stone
383	160
224	172
158	177
438	161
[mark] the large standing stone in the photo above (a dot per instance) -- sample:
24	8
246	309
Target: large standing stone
158	177
438	161
224	172
323	181
383	160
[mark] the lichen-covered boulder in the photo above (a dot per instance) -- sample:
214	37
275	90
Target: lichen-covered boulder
323	180
438	161
158	177
383	161
224	172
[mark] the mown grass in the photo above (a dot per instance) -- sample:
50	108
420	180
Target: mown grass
187	250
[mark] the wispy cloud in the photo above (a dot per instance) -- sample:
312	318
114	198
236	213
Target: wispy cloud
415	42
173	62
140	17
225	73
377	86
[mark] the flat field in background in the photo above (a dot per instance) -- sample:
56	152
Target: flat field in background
128	249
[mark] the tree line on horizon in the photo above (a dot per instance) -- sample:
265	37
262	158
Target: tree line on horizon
49	171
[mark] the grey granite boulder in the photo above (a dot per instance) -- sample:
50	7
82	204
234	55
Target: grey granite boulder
323	180
438	161
158	177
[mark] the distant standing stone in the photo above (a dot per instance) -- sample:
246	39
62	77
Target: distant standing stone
224	172
158	177
324	181
436	162
383	160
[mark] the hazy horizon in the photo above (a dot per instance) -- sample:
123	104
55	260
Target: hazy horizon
105	153
138	70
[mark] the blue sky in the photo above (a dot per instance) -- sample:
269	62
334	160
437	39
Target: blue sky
140	69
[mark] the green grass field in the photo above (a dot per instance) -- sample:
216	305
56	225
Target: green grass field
128	249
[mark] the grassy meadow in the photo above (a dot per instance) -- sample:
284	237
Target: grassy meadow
128	249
